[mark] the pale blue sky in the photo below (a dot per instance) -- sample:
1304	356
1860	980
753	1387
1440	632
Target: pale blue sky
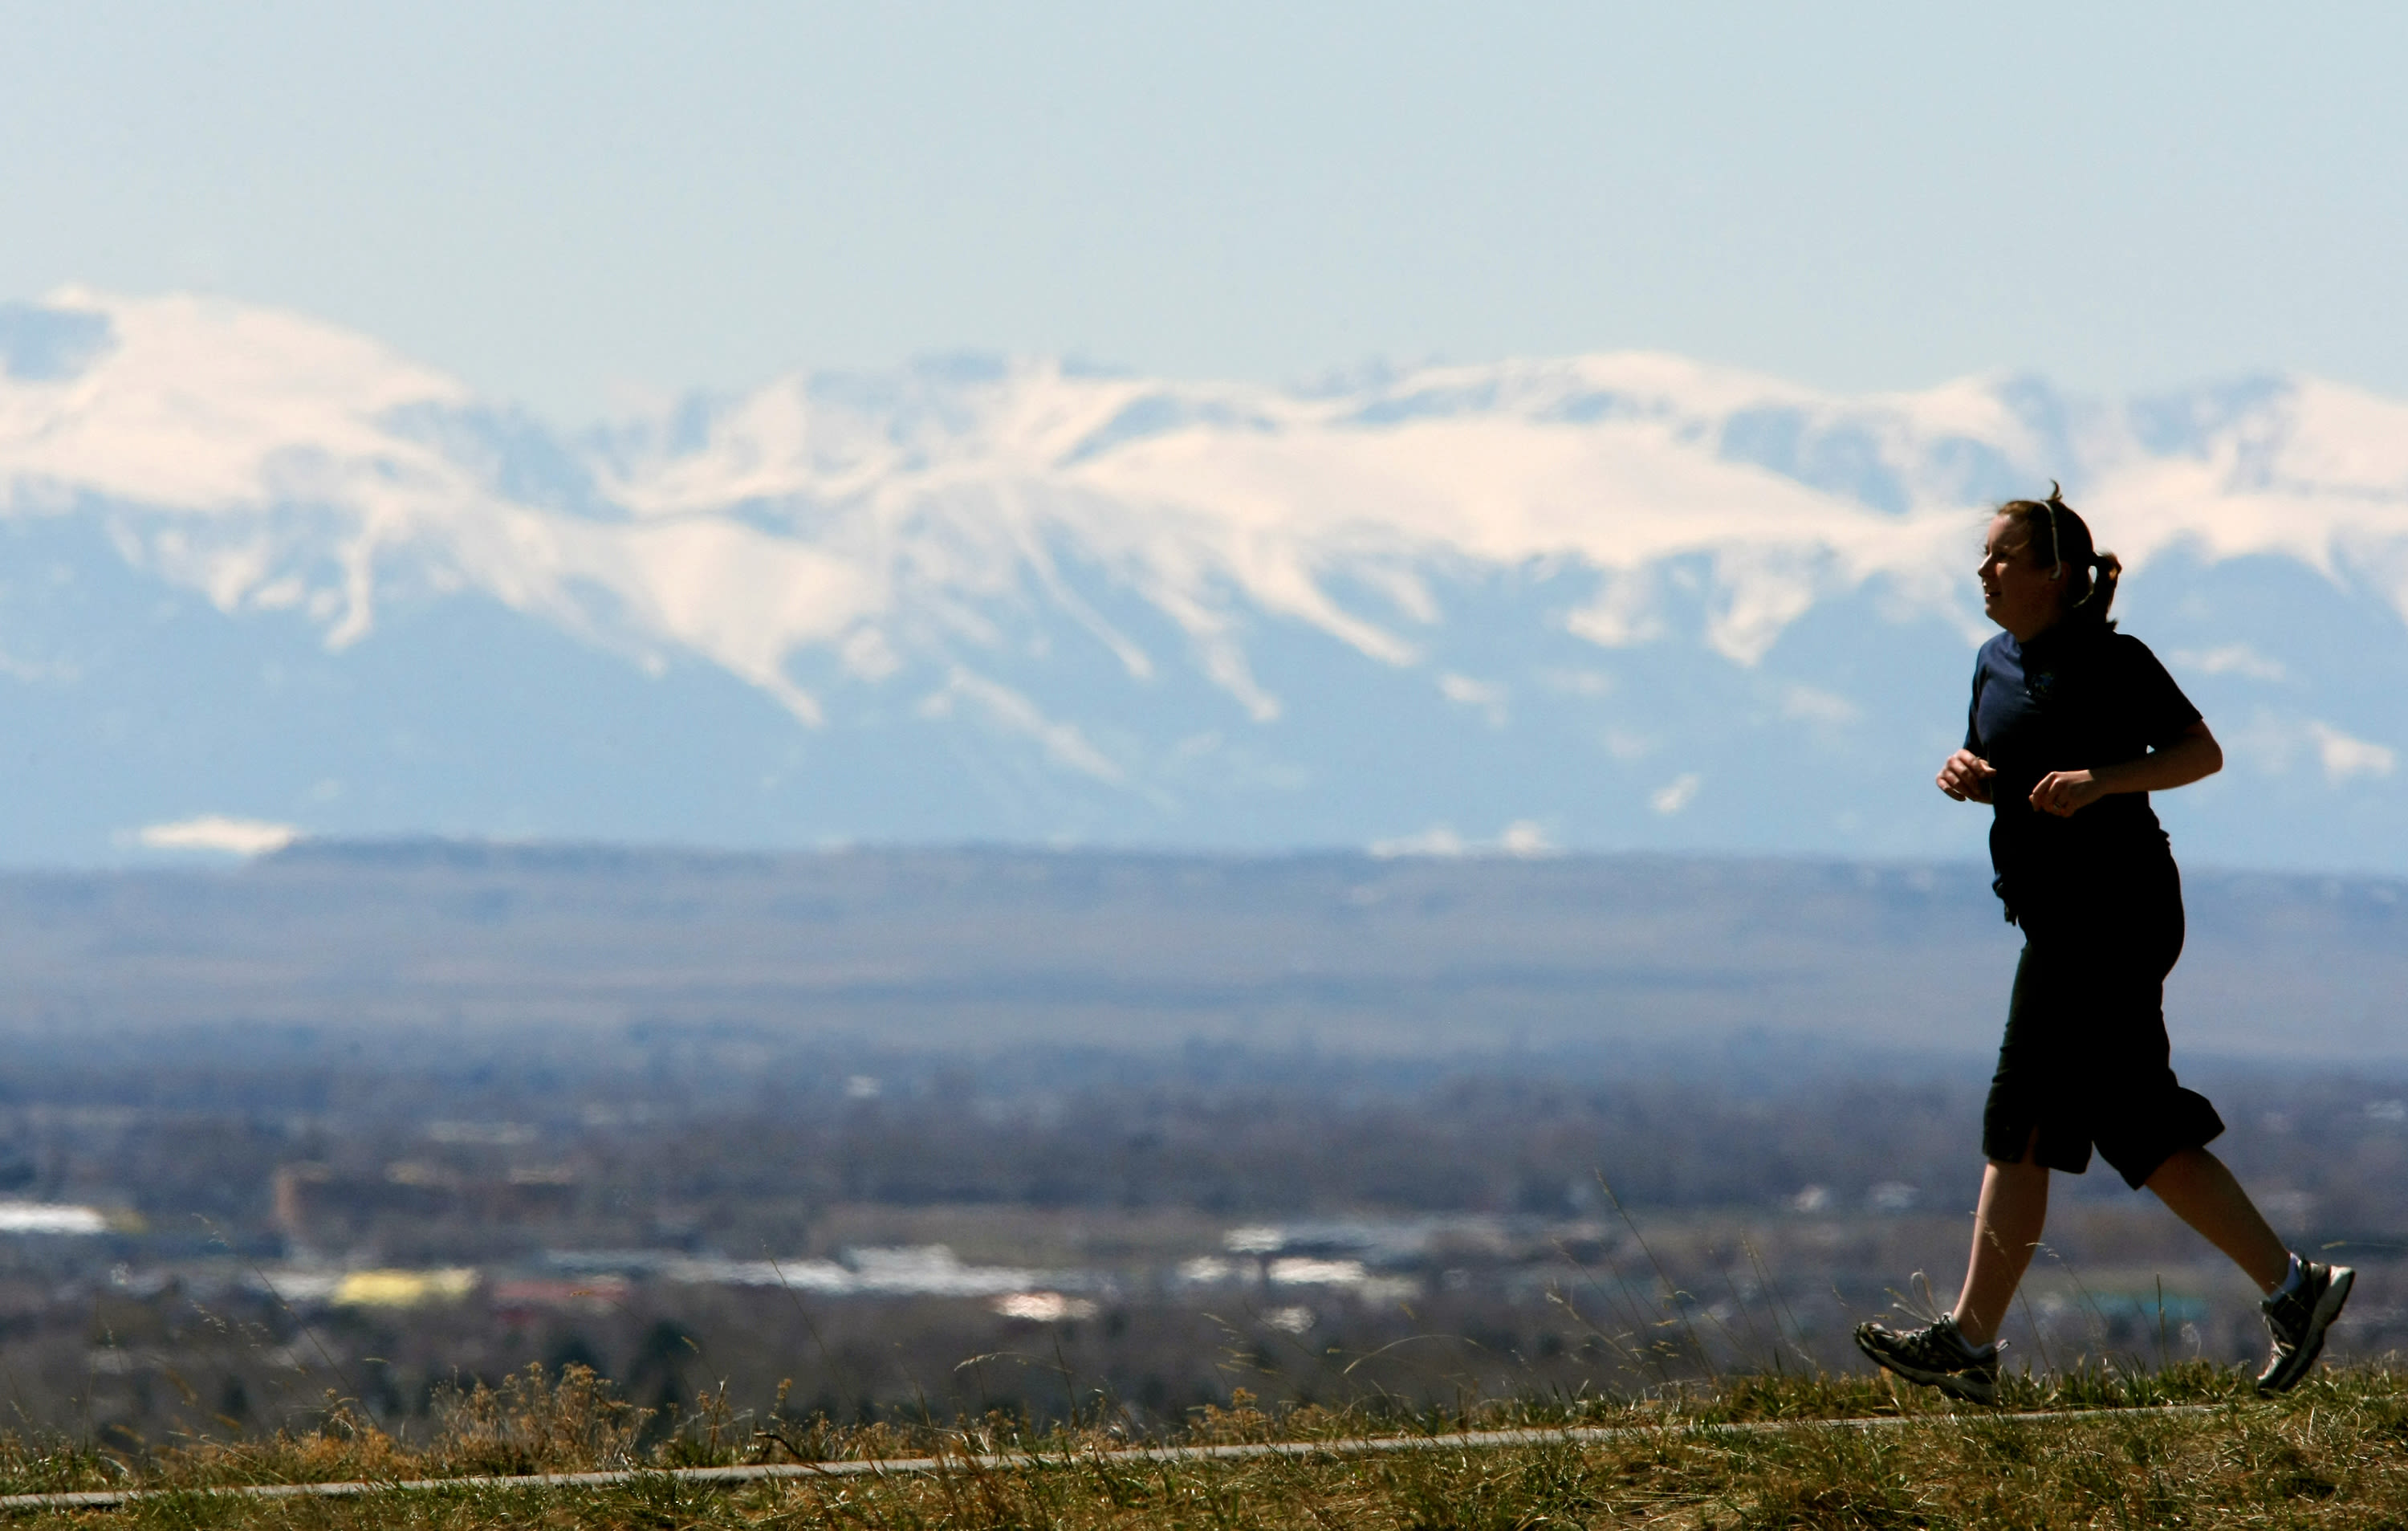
568	204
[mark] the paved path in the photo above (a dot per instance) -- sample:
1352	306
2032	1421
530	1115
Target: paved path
1014	1460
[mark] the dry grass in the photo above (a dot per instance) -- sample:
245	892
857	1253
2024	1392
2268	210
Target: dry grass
2335	1453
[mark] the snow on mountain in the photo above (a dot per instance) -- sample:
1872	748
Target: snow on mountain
263	568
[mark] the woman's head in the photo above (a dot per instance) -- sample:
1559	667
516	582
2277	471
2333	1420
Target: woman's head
2039	567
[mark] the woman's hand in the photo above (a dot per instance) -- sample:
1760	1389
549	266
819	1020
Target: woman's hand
1965	777
2065	793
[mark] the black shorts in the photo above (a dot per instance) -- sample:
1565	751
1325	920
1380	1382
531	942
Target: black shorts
2085	1061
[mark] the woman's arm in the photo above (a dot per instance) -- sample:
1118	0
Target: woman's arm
2194	755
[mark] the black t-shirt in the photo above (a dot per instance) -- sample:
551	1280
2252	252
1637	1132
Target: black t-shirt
2077	697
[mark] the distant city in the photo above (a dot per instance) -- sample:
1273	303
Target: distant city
955	1131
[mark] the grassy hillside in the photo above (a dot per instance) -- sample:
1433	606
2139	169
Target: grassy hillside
2333	1453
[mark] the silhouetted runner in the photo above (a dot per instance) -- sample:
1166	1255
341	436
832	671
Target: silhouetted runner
2072	724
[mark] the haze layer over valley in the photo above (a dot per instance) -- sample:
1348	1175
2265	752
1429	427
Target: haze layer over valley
264	577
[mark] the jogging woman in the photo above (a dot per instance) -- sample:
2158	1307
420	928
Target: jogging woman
2072	726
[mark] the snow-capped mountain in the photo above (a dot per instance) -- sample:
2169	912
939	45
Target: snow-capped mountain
259	573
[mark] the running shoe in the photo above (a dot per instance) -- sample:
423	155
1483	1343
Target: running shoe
2299	1319
1937	1356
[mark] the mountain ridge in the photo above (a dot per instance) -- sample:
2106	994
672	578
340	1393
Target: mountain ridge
1019	599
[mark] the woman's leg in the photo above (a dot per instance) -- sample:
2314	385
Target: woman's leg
2006	1229
2203	1194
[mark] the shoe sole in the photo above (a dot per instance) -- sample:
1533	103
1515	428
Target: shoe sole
2327	1309
1955	1384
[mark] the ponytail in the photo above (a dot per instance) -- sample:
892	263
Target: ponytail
2107	570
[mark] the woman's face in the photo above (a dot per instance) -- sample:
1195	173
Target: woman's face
2017	594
